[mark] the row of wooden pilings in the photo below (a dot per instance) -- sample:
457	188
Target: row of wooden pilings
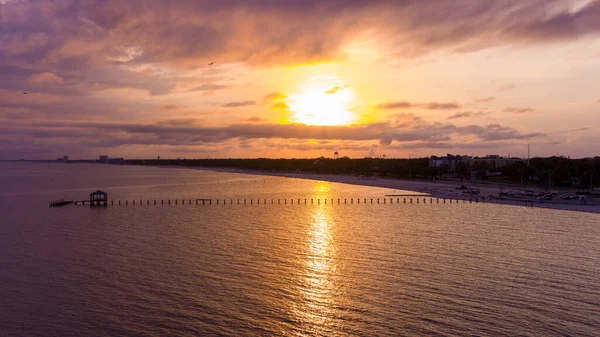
304	201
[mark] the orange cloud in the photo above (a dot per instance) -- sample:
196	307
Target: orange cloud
280	106
274	96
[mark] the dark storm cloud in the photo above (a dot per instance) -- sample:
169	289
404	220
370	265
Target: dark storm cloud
408	105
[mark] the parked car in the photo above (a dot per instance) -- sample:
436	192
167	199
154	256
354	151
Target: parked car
569	197
528	193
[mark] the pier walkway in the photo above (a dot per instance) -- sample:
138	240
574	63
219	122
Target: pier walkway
415	199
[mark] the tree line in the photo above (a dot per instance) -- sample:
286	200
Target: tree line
543	172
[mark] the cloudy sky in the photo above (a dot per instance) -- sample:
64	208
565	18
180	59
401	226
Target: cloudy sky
298	78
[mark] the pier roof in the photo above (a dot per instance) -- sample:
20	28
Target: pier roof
98	192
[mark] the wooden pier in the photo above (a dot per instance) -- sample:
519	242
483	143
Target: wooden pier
414	199
60	202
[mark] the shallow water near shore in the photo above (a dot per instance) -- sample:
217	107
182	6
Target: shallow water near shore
300	270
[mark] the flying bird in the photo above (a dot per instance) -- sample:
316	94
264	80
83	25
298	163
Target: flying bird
210	64
24	93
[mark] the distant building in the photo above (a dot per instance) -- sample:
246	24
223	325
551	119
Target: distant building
494	161
65	158
104	159
450	160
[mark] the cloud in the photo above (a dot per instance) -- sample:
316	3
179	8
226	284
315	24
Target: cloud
372	151
394	105
73	55
517	110
442	106
507	87
51	138
238	104
485	100
466	114
579	129
170	107
280	106
428	106
274	96
46	77
208	87
78	35
334	90
179	122
255	119
189	132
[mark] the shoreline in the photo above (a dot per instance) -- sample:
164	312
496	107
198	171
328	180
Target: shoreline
435	189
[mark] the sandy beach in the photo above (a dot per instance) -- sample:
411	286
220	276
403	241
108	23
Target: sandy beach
439	189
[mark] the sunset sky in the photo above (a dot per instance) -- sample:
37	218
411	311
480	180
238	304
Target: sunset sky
298	78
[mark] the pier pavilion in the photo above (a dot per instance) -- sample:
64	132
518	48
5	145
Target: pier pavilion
98	198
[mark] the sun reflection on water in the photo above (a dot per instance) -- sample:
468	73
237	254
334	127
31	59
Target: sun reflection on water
317	285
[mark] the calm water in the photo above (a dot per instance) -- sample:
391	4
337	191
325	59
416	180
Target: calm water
293	270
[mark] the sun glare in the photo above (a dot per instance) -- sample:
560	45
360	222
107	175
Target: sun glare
322	101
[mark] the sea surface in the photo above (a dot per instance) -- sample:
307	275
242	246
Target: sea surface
281	269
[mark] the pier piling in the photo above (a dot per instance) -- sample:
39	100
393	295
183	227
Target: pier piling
418	199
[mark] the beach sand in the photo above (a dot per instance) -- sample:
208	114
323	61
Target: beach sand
437	189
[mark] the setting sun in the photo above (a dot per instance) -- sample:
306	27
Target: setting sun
322	101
